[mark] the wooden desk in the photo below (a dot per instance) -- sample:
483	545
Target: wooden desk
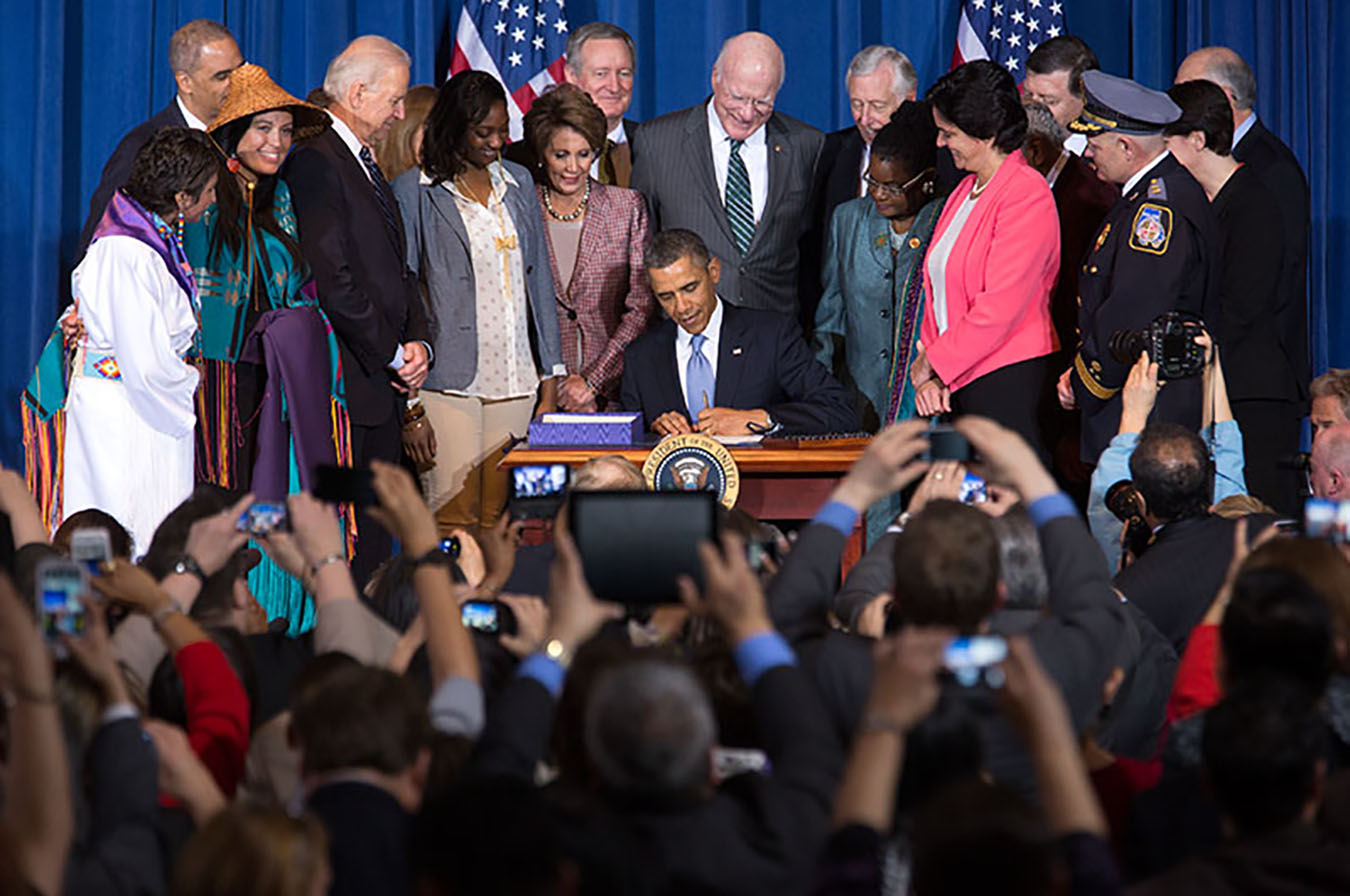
777	483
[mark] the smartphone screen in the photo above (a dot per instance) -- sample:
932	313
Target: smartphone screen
480	615
975	659
537	490
60	586
973	490
91	548
1324	518
261	518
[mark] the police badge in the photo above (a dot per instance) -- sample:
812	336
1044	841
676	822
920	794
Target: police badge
1152	229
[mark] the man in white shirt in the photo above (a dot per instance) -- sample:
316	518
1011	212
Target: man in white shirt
1055	80
737	172
201	54
717	369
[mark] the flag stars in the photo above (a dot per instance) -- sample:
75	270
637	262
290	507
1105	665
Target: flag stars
560	26
522	11
995	33
500	27
1015	40
541	19
1034	4
515	59
1012	62
503	5
518	35
1033	25
998	9
1052	31
538	42
1056	9
978	4
1017	16
1031	47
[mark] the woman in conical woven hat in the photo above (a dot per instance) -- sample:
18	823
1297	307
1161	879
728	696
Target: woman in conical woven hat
253	288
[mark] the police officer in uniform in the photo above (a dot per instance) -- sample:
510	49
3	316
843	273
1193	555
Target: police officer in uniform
1156	251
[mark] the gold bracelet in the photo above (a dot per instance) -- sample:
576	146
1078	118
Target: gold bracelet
335	557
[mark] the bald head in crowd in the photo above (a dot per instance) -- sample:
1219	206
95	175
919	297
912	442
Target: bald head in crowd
366	82
1329	466
745	81
1227	69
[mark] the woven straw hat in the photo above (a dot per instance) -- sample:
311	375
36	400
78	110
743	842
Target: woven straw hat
253	91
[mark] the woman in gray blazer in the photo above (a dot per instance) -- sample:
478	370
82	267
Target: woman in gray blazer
476	241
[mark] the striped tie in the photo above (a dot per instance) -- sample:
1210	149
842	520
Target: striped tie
381	188
740	210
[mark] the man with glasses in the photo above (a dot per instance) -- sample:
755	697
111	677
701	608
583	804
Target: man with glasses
738	173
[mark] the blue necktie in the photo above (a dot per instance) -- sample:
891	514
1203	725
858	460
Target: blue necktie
699	382
381	187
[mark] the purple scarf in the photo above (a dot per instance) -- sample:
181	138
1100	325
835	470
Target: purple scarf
125	216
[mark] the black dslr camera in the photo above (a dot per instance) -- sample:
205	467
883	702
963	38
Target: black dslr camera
1169	340
1122	499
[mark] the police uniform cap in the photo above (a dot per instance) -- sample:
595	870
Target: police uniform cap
1111	103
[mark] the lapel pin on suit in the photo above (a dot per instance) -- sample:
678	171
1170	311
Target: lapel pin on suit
735	351
777	147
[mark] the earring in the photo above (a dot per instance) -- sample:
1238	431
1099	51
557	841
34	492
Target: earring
232	164
178	229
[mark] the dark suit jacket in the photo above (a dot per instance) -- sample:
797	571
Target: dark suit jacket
118	167
1175	580
673	168
369	837
759	833
1296	859
1253	294
1277	167
364	284
1076	641
1082	200
520	151
116	849
762	362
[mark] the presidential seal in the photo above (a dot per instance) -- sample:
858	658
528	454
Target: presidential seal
692	463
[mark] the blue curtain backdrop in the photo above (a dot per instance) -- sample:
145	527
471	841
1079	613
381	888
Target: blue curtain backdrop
80	73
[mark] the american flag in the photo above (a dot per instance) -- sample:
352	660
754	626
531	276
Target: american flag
1005	31
519	42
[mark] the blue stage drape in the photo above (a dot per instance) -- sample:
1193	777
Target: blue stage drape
80	73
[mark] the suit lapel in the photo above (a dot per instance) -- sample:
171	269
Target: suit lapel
444	204
590	246
731	357
363	188
698	146
667	369
878	231
779	162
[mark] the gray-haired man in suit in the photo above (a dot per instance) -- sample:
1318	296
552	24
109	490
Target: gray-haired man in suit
737	172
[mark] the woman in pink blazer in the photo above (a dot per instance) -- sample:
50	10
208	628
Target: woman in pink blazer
596	236
992	262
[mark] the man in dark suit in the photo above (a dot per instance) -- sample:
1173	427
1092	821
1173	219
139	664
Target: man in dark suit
1157	251
1176	578
738	173
878	80
1278	169
201	54
648	733
718	369
601	60
352	236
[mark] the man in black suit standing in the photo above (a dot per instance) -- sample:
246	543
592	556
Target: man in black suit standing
1278	169
201	54
738	173
601	60
352	236
717	369
878	80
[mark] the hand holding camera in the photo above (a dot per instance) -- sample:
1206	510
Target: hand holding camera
401	509
1139	395
1007	458
893	459
731	591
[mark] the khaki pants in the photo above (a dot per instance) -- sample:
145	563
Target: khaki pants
465	488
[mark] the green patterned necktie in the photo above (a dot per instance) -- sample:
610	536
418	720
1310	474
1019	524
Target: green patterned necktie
740	210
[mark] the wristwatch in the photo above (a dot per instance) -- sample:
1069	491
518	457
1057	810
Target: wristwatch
558	652
185	564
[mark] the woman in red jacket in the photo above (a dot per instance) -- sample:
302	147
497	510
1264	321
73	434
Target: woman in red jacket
992	261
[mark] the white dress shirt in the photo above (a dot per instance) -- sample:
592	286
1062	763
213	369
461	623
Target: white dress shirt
1142	172
755	154
192	121
862	172
616	136
684	350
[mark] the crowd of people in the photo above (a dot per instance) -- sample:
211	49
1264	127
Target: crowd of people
1095	656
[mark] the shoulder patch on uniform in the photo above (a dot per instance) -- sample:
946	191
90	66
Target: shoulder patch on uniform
1157	189
1152	229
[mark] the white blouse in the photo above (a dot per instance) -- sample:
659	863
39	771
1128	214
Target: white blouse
938	257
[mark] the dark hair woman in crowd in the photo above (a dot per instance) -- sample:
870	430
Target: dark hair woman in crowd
476	240
1252	297
992	263
596	234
